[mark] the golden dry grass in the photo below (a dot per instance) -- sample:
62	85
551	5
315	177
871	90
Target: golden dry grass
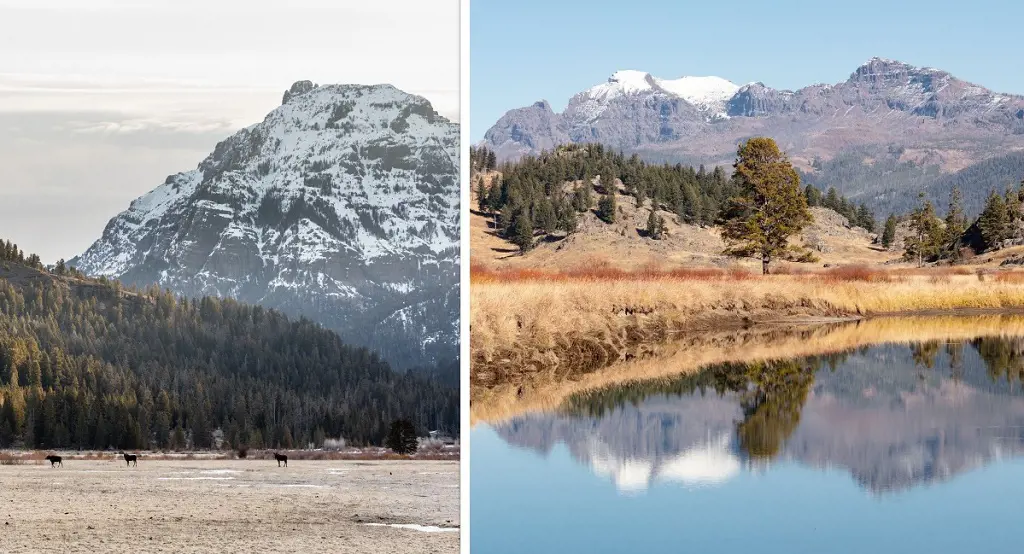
509	311
546	389
536	334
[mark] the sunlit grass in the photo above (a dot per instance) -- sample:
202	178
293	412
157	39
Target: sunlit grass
546	389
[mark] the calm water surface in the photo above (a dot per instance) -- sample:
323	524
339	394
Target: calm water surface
892	448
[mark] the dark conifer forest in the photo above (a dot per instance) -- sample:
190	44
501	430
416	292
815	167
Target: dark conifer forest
544	193
86	363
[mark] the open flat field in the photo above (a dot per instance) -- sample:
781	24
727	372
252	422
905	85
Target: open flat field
228	506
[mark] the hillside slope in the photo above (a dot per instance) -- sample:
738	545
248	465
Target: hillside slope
624	245
88	364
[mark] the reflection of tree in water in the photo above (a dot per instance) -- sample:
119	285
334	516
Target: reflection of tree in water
771	408
924	353
720	378
955	351
1003	357
771	396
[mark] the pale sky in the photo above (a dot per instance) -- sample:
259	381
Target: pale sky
100	100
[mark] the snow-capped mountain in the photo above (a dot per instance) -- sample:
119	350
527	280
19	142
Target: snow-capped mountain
342	205
885	108
708	94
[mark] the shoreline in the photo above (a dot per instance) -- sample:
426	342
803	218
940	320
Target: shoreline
559	339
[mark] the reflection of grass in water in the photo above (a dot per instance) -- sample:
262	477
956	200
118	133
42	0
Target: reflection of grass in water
545	390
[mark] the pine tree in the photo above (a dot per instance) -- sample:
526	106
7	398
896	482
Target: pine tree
889	233
521	230
832	200
690	207
770	208
865	219
492	160
402	437
956	225
813	196
544	217
568	220
655	226
481	196
926	240
1013	207
494	200
606	207
994	221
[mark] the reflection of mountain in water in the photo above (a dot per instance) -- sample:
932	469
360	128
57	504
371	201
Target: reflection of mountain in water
893	416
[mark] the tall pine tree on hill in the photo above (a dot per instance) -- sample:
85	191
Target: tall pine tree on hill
770	208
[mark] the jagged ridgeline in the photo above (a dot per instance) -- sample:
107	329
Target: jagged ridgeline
888	131
545	193
87	363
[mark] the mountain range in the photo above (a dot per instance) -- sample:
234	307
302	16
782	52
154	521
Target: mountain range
341	206
890	130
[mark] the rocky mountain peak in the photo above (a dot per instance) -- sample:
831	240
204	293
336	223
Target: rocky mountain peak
543	105
298	87
342	205
883	72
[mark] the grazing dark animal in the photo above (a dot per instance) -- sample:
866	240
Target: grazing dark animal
281	458
130	459
55	460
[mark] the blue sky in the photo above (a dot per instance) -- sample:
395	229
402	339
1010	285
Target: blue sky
526	50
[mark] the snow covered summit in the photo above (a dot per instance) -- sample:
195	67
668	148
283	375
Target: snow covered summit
342	205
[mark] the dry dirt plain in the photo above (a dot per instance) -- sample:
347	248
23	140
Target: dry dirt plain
229	506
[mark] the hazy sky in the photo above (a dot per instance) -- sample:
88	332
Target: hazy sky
100	100
528	50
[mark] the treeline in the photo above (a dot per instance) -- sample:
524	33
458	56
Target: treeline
953	238
482	159
882	179
9	252
95	366
977	180
546	193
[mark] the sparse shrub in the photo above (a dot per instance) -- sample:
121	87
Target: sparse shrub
243	452
10	460
856	273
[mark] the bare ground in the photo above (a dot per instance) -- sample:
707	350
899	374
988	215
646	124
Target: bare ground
228	505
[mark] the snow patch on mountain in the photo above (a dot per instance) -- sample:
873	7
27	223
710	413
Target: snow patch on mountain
708	94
